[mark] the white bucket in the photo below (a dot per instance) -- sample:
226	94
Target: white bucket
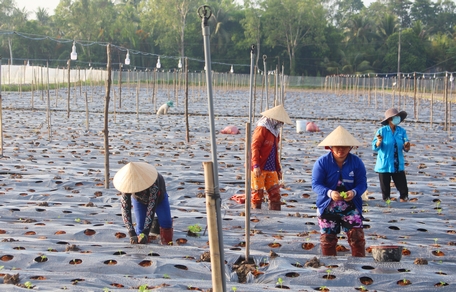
301	126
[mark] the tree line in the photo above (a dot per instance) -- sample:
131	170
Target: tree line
306	37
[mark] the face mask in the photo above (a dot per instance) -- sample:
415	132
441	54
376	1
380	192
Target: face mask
396	120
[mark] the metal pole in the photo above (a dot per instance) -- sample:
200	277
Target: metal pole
205	13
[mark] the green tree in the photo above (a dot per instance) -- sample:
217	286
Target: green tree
294	24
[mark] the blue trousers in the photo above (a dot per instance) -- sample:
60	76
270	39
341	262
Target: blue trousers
162	210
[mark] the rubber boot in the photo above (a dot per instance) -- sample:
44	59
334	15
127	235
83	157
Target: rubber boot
357	242
166	235
328	244
274	198
257	199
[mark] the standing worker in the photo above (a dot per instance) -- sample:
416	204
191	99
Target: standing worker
389	142
266	168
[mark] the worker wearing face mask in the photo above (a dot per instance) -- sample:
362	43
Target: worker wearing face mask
390	142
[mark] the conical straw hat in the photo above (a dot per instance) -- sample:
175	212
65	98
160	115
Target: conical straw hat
278	113
135	177
340	137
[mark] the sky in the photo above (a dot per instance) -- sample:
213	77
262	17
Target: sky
32	5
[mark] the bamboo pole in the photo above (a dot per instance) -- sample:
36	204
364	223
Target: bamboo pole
1	111
248	190
69	89
106	118
87	111
211	204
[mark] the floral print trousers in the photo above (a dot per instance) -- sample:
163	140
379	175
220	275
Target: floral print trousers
339	214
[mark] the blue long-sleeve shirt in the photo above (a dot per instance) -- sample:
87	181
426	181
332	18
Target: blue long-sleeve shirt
385	157
326	174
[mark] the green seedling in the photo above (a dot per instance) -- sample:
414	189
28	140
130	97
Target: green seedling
166	276
362	288
77	220
233	288
343	195
143	288
405	280
322	288
280	282
388	203
105	289
195	228
1	267
28	285
435	241
328	271
43	257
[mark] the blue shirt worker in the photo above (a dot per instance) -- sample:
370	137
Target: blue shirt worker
390	142
339	180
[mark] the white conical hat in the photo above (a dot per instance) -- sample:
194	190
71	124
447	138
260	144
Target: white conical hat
340	137
278	113
135	177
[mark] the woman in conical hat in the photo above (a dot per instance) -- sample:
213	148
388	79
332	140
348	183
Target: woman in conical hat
266	169
144	188
339	180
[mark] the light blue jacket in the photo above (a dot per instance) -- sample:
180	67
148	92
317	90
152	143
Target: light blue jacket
385	157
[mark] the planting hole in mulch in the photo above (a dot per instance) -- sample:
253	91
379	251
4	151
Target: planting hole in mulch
292	275
110	262
297	265
62	242
341	248
145	263
440	284
235	248
119	253
38	278
403	270
6	257
366	280
89	232
75	262
117	285
41	259
440	273
367	268
404	282
332	266
323	289
120	235
75	281
394	228
308	245
329	277
422	230
2	231
181	241
282	287
19	248
153	254
406	252
30	233
243	268
181	267
60	232
438	253
274	244
194	288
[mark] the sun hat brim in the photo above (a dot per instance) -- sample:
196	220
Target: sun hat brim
135	177
340	137
392	112
278	113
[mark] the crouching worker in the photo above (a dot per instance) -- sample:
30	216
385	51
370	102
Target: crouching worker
266	168
144	188
339	179
163	110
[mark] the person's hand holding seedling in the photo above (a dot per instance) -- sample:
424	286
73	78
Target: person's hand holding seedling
142	238
379	140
